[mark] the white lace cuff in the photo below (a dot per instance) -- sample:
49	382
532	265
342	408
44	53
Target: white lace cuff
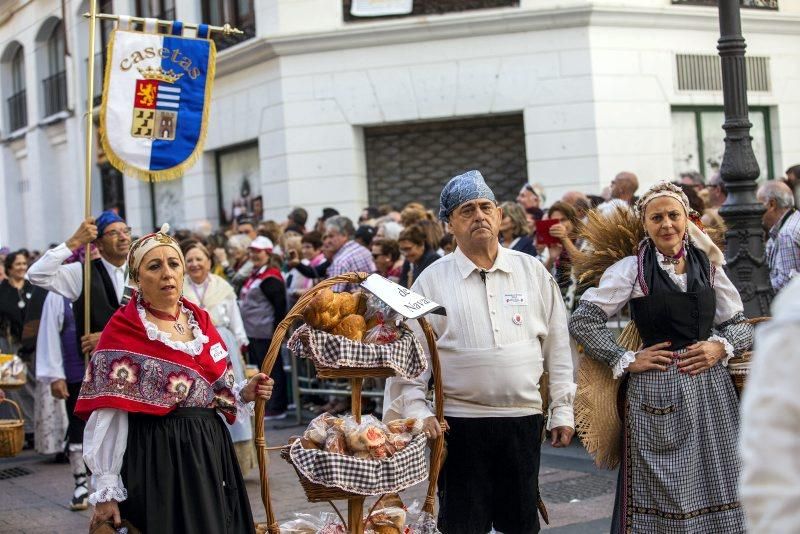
243	409
109	488
619	368
728	348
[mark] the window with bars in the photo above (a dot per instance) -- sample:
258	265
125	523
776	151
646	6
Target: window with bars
238	13
757	4
17	103
425	7
55	84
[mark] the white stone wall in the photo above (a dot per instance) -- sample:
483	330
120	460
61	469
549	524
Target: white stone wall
594	81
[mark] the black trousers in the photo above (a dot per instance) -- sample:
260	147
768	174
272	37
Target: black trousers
491	475
76	424
256	351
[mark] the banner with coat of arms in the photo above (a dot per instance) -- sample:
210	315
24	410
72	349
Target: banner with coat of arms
156	98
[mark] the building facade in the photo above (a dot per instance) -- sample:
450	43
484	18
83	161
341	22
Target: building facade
316	107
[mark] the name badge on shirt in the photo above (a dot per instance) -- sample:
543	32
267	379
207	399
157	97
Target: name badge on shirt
218	352
515	299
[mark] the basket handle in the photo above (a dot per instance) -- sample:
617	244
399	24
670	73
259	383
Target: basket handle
269	362
15	405
438	445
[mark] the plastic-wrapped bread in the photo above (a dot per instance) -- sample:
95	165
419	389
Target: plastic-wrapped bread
410	425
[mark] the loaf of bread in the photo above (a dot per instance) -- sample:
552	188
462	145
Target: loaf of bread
352	327
318	313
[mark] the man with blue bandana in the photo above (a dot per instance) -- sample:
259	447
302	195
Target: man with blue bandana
505	325
112	237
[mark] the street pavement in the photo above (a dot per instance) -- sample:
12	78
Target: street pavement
578	496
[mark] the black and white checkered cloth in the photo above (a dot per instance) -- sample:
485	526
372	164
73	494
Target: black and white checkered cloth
404	356
363	476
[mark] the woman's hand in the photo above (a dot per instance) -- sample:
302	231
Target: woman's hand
106	511
654	358
559	231
260	386
701	356
432	429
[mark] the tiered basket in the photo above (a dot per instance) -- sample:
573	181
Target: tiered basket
739	366
12	434
318	492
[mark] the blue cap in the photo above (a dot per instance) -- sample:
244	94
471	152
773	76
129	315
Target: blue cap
105	219
463	188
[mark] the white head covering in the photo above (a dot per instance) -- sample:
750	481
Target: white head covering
145	244
697	236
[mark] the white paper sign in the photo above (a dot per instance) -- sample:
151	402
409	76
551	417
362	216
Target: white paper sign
404	301
381	8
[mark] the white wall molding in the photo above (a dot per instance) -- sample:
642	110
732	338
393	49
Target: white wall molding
473	24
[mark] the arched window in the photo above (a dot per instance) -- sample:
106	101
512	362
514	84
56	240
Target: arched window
55	82
17	103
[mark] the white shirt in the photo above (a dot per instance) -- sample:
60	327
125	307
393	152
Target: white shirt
770	433
494	343
49	354
67	280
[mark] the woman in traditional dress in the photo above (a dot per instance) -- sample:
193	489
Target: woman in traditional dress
679	464
160	455
216	296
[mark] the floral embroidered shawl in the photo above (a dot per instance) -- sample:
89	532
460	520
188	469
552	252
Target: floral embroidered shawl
130	372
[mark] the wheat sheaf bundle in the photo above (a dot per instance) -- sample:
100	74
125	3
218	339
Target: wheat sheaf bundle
607	238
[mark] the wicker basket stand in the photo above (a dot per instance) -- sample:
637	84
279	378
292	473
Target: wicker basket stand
316	492
12	434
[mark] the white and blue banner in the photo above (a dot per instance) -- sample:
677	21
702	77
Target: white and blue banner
156	99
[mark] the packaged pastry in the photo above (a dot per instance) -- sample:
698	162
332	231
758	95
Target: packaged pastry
388	519
368	435
335	441
317	430
399	441
410	425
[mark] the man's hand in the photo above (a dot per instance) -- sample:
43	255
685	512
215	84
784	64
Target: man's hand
85	234
561	436
106	511
89	342
259	386
432	429
59	389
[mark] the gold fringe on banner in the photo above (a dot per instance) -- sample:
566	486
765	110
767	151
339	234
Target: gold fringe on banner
177	171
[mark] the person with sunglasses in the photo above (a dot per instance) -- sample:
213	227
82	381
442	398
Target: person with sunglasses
112	237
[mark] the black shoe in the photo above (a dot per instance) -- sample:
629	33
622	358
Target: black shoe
80	497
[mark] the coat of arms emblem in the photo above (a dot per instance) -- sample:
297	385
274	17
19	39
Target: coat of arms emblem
156	104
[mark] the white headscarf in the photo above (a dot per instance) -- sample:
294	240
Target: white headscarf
145	244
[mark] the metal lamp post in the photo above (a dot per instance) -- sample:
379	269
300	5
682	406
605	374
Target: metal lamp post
747	267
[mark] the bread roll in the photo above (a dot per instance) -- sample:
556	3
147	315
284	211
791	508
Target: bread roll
319	305
352	327
347	303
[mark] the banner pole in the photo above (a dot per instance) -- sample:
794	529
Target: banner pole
87	260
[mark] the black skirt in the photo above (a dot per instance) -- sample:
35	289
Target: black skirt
181	474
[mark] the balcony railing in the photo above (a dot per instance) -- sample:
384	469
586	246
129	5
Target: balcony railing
756	4
17	111
433	7
55	93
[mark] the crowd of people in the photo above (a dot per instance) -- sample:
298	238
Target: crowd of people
209	297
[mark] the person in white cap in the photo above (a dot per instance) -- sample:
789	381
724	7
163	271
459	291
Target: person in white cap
262	301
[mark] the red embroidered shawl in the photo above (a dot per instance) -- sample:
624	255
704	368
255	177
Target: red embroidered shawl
130	372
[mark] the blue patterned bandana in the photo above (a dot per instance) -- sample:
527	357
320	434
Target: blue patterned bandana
106	219
463	188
